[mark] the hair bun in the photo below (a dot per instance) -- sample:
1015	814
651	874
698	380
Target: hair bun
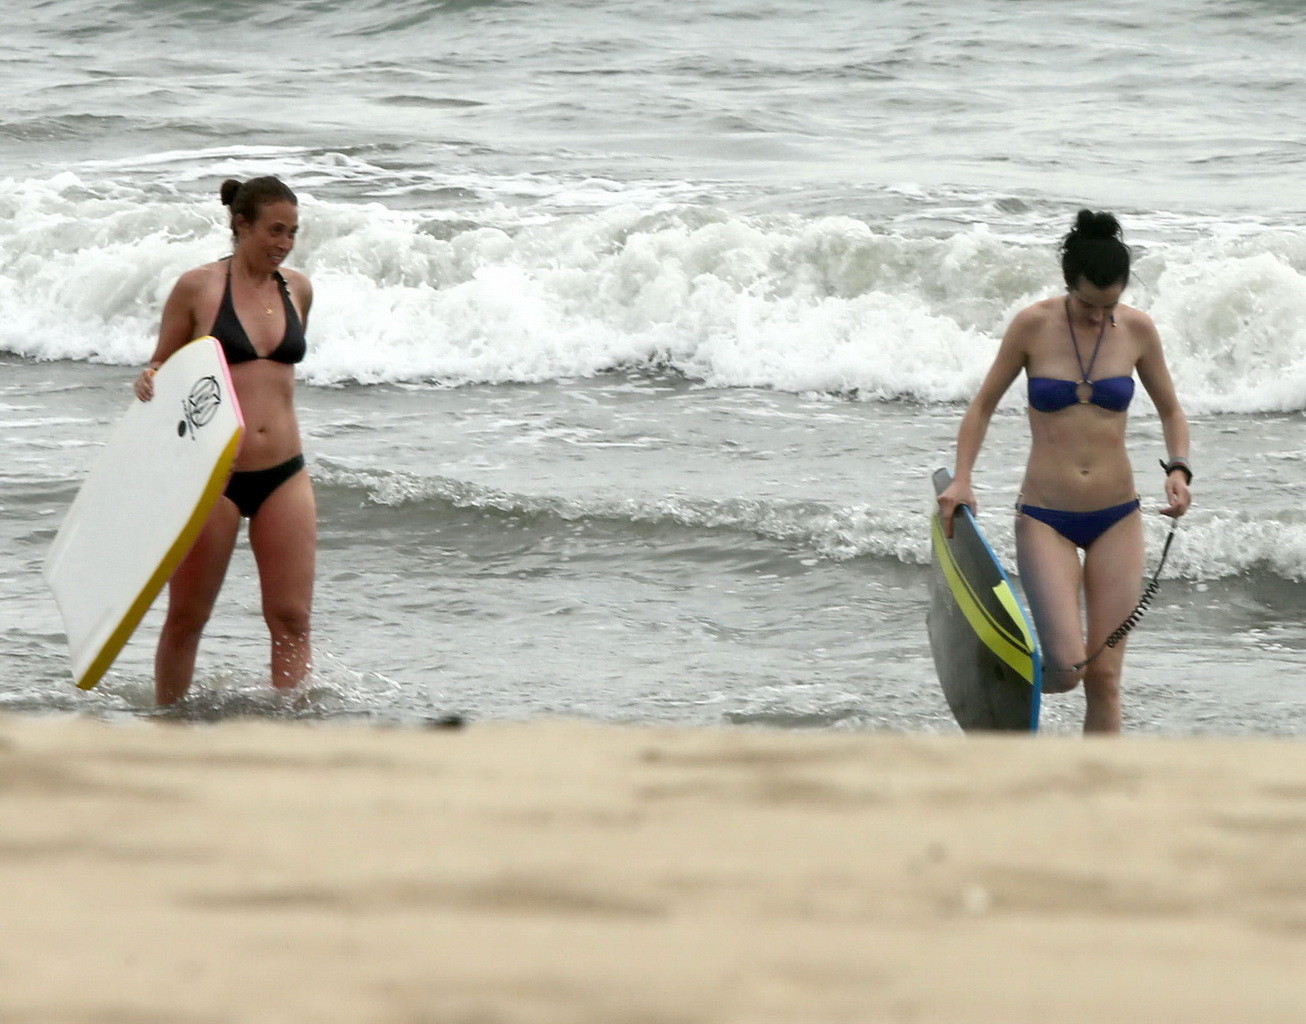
228	190
1090	224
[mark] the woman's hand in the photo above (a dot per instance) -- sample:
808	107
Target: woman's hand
956	493
144	385
1177	493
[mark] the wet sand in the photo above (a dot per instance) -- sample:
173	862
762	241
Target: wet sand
570	872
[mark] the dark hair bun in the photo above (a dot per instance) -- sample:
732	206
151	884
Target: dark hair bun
228	191
1095	249
1089	224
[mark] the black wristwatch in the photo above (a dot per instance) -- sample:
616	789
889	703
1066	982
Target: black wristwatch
1179	464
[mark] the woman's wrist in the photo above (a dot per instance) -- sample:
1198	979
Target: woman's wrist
1178	464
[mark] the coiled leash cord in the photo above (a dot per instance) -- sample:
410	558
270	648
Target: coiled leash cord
1132	619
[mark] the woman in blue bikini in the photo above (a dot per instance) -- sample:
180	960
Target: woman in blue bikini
1080	352
257	310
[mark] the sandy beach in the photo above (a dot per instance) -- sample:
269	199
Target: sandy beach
562	871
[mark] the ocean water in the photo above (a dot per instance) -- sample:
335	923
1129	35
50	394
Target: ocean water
639	329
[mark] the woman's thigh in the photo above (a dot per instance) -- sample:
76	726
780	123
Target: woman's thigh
1113	574
195	584
283	537
1051	576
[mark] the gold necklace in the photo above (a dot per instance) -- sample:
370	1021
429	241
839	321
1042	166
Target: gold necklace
269	310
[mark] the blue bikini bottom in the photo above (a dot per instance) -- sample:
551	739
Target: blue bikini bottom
1080	528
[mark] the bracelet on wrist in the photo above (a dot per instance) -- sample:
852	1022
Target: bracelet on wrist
1180	464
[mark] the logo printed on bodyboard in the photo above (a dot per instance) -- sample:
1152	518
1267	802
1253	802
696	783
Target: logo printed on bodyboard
200	406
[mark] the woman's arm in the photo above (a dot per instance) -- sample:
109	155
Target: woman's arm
1007	364
301	293
176	328
1155	377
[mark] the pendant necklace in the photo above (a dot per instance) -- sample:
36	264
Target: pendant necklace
1084	389
266	309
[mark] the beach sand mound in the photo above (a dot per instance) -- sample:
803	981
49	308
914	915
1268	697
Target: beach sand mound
570	872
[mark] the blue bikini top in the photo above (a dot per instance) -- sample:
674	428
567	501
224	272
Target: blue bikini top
1048	394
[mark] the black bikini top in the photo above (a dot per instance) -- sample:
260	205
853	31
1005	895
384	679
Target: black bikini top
236	345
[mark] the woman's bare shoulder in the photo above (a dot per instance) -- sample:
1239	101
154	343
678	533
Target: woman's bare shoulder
1139	326
194	284
298	283
1131	316
1036	316
197	279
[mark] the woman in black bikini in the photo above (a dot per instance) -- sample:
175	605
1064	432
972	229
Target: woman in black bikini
258	312
1080	352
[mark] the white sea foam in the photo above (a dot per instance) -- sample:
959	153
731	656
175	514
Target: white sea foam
830	304
1209	545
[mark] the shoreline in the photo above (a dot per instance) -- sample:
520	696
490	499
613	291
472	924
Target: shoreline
566	871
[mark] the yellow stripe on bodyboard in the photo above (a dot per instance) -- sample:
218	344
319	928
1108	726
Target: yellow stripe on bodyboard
1008	598
1015	651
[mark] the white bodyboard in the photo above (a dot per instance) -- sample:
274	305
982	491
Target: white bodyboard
143	504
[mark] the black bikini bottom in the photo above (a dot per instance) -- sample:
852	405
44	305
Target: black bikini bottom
250	488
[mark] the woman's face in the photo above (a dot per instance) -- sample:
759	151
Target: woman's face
1093	305
270	238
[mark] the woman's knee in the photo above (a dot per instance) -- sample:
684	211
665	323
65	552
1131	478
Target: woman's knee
1102	680
288	622
1060	680
186	620
1062	666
